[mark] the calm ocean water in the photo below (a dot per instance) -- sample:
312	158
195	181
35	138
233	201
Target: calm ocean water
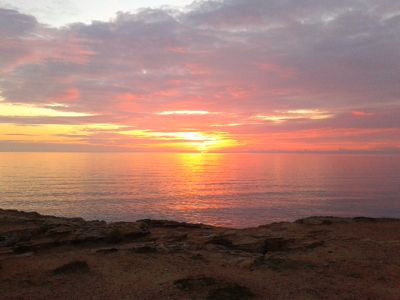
236	190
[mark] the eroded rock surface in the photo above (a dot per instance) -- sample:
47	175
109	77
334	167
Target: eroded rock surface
44	257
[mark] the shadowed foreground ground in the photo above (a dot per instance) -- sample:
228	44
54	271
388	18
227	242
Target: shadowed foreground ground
44	257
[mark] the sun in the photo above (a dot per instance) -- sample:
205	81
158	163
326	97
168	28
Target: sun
205	142
196	141
192	136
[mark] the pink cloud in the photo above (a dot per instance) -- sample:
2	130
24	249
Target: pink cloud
276	57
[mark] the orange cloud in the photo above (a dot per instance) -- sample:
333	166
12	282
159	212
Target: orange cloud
361	114
183	112
69	95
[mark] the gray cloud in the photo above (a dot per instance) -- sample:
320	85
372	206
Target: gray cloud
14	24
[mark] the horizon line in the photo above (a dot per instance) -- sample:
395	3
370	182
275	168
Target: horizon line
382	152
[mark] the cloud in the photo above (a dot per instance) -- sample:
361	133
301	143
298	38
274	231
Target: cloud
183	112
304	65
298	114
12	110
14	24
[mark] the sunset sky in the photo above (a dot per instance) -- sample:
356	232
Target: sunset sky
207	76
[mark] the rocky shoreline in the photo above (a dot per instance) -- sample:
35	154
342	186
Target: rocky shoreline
46	257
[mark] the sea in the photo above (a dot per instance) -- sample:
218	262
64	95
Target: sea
233	190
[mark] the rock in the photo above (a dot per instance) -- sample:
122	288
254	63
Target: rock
23	248
89	235
107	251
198	256
248	244
276	244
218	289
231	291
72	267
59	230
176	237
276	226
252	244
175	247
279	264
322	220
145	249
251	262
8	240
313	245
220	240
127	230
11	238
365	220
237	242
171	224
26	254
195	283
114	236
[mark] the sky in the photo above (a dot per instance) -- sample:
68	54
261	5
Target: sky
202	76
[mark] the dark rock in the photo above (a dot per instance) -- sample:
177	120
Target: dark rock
374	220
219	289
175	247
72	267
322	220
221	240
123	231
127	230
248	244
58	230
88	234
11	238
145	249
107	251
313	245
197	256
171	224
231	291
252	244
279	264
195	283
276	244
114	236
251	262
23	248
176	237
365	220
8	240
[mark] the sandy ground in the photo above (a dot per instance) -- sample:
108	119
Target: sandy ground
44	257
